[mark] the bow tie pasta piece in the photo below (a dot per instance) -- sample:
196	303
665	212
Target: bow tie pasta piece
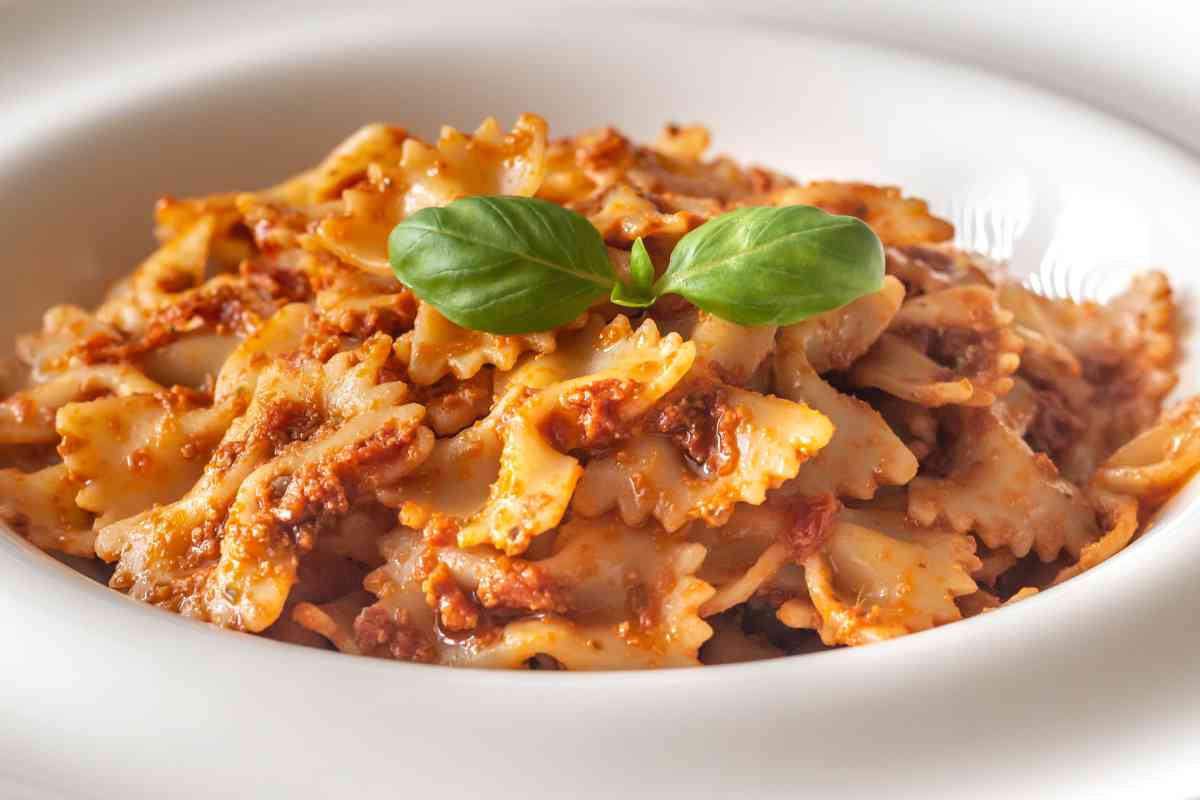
896	219
344	166
836	339
358	381
623	375
181	331
595	566
456	480
924	269
40	506
896	366
739	567
1004	493
185	340
1045	358
623	214
488	162
232	242
357	303
281	507
1137	321
746	554
1147	308
954	346
171	291
27	416
282	333
663	630
497	481
1138	477
712	446
192	361
965	327
178	265
632	595
685	144
879	577
315	440
1122	352
1159	460
609	349
530	495
279	215
67	333
627	190
1119	515
131	453
621	383
673	167
565	179
1048	362
160	556
380	175
436	347
733	352
864	452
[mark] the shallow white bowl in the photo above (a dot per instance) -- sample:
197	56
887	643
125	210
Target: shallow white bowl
1088	689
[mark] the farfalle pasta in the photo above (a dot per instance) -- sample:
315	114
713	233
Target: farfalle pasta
263	428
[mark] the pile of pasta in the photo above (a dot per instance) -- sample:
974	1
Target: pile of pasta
261	428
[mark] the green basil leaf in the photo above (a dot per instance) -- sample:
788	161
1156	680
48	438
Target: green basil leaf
640	266
638	294
774	266
505	265
631	296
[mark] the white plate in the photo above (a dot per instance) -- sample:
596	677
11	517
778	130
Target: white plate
1090	689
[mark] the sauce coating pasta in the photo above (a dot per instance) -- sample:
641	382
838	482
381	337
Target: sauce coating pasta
262	428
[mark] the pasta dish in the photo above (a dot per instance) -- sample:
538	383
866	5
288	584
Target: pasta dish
263	427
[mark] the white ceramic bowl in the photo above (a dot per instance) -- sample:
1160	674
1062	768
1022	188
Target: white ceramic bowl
1088	689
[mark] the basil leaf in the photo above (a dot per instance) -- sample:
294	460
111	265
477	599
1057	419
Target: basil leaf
631	296
641	269
774	266
505	265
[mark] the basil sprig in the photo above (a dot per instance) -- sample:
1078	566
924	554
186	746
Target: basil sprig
511	265
640	292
